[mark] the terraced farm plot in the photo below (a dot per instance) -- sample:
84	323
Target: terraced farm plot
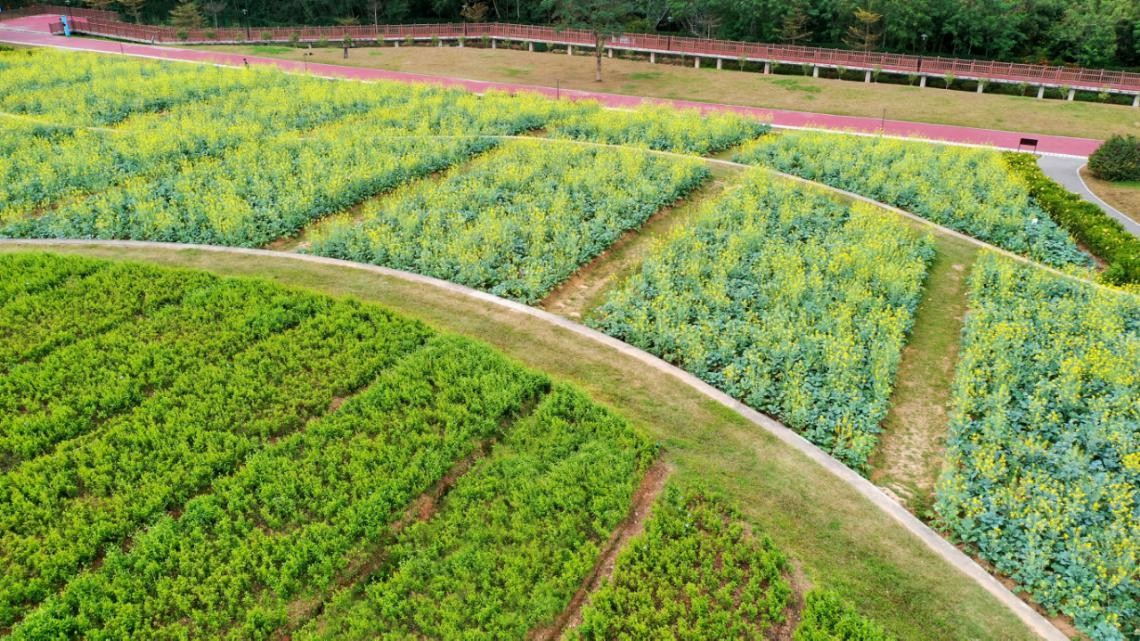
517	221
787	300
1045	442
514	539
968	190
282	466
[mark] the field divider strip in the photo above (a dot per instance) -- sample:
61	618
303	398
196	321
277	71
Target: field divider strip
868	490
640	509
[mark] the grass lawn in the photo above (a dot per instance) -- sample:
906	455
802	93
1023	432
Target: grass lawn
1123	196
629	77
840	539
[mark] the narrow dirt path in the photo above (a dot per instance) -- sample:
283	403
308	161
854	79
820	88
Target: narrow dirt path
577	296
909	458
800	585
633	525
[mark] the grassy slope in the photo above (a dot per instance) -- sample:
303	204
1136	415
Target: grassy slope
909	458
841	540
784	92
1124	196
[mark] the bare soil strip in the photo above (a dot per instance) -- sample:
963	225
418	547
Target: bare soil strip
634	524
800	585
909	458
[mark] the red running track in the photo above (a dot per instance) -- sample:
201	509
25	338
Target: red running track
34	31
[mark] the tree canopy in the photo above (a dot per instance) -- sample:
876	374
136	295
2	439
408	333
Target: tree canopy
1086	32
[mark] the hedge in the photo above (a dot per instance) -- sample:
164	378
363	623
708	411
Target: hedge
1100	233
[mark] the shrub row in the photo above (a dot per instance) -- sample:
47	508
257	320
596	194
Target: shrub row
1103	235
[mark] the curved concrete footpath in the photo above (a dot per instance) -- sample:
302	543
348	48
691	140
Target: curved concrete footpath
868	490
33	31
1067	172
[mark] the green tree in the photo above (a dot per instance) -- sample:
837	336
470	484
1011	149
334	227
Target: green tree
864	35
795	24
214	8
133	8
186	15
102	5
602	18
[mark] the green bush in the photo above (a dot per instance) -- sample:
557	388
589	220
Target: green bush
1117	159
1098	231
827	617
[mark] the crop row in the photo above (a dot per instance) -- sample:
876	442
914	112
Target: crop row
86	90
60	511
1043	443
965	189
693	574
34	324
266	153
782	297
76	387
658	127
515	222
196	174
512	541
301	513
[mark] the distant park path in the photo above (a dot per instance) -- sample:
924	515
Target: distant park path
33	31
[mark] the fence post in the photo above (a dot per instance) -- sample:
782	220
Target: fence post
1136	100
814	71
696	62
922	80
530	47
1041	92
719	63
652	57
767	67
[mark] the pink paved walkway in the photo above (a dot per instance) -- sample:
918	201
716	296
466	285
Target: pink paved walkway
33	31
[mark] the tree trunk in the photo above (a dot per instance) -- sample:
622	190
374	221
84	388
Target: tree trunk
600	40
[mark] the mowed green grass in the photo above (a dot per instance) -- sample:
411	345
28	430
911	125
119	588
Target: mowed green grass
842	97
839	538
